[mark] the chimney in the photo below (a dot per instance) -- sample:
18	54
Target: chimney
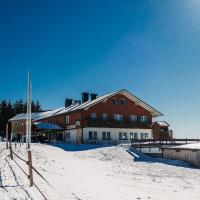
93	96
68	102
85	97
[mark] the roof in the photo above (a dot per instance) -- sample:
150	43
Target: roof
191	146
161	123
35	116
47	126
87	105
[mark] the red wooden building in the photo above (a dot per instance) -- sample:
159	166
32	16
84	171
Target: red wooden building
113	118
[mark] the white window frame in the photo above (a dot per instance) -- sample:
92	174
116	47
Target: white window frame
106	135
94	135
123	136
144	119
118	117
135	136
105	117
133	118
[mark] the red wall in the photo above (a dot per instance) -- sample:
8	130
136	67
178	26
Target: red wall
109	108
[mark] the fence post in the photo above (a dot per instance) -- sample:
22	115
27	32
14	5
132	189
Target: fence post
11	153
30	168
15	145
7	136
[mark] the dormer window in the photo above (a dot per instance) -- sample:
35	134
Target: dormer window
114	101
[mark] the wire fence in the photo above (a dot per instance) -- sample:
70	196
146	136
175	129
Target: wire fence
31	168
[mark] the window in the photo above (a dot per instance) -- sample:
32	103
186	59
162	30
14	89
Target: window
123	101
131	136
106	136
122	135
93	116
142	136
143	119
92	135
146	135
105	117
67	119
67	136
135	136
114	101
133	118
118	117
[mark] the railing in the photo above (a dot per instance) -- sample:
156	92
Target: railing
13	155
159	142
116	124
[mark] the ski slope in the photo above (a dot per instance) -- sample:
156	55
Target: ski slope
97	173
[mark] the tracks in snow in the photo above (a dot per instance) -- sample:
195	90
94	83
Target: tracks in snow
11	184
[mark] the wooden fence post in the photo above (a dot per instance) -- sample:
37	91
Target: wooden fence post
7	136
30	168
11	153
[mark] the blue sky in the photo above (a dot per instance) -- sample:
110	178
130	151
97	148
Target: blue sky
149	47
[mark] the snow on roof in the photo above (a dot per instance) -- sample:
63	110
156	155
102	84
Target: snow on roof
35	116
47	126
195	146
162	123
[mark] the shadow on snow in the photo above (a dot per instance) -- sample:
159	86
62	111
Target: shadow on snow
82	147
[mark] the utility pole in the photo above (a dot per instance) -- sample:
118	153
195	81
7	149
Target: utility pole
28	118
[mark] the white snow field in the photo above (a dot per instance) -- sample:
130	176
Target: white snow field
96	173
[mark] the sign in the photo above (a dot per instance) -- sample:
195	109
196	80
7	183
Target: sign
71	127
78	123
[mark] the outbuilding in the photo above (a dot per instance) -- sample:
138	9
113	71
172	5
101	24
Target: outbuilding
189	153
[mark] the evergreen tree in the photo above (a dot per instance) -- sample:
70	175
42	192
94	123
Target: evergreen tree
9	110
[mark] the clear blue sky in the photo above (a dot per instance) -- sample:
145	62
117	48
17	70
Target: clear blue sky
149	47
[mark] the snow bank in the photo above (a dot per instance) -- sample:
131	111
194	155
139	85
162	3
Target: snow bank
96	173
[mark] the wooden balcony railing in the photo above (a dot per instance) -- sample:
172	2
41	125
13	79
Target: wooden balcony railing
115	124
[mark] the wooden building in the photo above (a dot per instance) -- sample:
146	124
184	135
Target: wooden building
160	130
116	117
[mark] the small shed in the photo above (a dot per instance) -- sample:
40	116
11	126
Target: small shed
160	130
189	153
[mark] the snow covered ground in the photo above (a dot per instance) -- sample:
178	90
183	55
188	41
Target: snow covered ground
97	173
188	146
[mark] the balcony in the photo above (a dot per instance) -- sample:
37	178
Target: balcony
116	124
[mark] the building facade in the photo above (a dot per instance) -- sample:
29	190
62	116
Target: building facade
161	131
116	117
